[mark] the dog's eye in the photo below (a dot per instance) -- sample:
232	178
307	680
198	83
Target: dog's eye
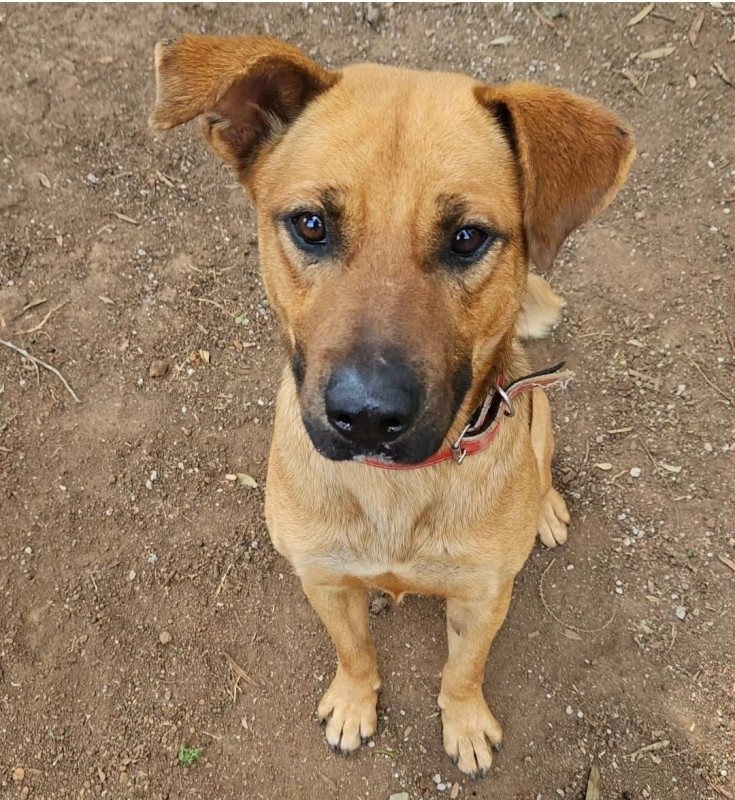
467	241
310	227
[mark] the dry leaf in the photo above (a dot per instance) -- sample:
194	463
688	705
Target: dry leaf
692	81
605	466
246	480
660	52
695	28
43	180
106	300
594	784
204	355
502	41
670	468
641	15
570	634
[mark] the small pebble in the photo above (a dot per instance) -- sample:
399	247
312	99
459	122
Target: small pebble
131	575
165	637
454	794
437	778
158	368
19	775
379	604
635	472
681	612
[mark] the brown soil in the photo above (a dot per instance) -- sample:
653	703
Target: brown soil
130	565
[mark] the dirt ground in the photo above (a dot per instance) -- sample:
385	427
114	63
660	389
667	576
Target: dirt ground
134	573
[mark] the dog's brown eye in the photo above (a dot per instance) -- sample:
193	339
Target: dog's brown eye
310	227
467	241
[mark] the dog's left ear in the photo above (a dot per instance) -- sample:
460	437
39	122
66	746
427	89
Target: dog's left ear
573	154
246	89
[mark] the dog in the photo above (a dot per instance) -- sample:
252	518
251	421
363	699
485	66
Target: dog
398	212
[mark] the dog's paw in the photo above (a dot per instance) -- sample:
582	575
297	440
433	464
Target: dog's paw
348	708
553	518
471	733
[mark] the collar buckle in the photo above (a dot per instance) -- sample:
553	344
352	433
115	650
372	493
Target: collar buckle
458	452
510	411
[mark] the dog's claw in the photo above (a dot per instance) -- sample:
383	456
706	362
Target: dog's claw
484	773
365	739
454	760
472	776
498	747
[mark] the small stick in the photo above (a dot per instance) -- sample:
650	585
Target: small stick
728	562
216	305
43	321
730	342
37	361
673	638
239	671
649	748
722	792
546	21
560	621
635	83
714	386
222	582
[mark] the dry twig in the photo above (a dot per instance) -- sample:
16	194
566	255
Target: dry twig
710	383
37	362
43	321
238	671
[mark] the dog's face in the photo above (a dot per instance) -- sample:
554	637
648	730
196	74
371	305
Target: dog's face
397	211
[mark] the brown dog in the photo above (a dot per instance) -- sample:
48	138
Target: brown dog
397	213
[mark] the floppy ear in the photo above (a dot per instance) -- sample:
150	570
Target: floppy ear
573	154
246	89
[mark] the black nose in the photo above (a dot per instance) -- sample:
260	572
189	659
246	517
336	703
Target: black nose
372	403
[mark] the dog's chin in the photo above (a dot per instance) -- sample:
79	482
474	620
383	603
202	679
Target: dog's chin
411	449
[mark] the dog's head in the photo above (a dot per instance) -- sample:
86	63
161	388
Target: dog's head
397	212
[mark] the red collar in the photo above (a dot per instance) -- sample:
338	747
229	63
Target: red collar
485	423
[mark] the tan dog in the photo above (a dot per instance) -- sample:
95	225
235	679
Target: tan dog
397	212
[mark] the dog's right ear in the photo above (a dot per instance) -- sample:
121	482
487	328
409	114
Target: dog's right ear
246	89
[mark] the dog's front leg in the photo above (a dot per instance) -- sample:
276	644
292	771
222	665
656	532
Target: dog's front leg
467	722
349	705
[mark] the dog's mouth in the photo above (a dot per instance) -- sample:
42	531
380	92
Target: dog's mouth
415	446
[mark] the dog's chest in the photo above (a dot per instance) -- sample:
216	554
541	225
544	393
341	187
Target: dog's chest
406	547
